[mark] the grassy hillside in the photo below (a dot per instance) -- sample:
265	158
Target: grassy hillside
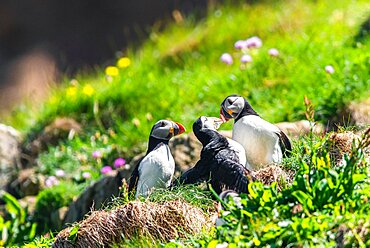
177	74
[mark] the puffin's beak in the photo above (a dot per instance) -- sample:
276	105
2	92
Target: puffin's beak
218	122
181	128
222	116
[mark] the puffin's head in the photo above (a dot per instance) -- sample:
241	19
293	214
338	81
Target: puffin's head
165	129
231	107
204	122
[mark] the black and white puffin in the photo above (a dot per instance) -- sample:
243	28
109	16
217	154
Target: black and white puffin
219	162
264	143
156	168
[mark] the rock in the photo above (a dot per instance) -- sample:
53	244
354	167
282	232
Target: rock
299	128
357	114
28	202
57	217
10	155
59	129
95	196
27	183
186	151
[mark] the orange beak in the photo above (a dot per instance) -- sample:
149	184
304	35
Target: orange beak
181	128
223	117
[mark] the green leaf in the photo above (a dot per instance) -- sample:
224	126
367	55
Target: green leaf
73	233
13	206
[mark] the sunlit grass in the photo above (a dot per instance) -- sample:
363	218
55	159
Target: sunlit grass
177	74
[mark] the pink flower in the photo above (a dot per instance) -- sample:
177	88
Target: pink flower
86	175
240	44
60	173
273	52
226	58
254	42
246	58
329	69
51	181
97	154
119	162
106	169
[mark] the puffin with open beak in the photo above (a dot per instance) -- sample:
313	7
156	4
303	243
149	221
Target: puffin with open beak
156	168
219	162
264	143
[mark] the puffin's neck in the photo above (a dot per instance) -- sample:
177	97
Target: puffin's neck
153	142
247	110
205	136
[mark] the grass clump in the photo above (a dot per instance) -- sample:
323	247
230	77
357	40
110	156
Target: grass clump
183	212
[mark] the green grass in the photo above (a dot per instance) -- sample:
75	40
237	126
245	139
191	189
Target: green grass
177	74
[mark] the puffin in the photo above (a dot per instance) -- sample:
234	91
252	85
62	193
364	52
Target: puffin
264	143
219	162
156	168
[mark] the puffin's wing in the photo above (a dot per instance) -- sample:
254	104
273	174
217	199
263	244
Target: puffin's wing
134	177
284	142
198	173
233	175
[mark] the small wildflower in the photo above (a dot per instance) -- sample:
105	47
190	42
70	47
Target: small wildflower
123	62
246	58
240	44
273	52
88	90
71	91
226	58
254	42
119	162
86	175
51	181
106	169
149	116
329	69
97	154
136	122
111	71
60	173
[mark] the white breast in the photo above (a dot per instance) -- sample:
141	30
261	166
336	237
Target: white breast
239	149
259	139
155	170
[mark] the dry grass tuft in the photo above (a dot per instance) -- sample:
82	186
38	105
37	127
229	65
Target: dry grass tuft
341	143
163	221
272	173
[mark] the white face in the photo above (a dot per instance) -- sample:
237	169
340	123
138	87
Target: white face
211	122
232	106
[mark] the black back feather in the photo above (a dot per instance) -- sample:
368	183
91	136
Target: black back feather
218	163
285	145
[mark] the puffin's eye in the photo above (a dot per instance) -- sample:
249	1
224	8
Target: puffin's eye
163	124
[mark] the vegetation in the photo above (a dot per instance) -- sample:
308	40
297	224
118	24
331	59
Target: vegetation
177	74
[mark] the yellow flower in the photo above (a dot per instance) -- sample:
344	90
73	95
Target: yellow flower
71	91
88	90
111	71
123	62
